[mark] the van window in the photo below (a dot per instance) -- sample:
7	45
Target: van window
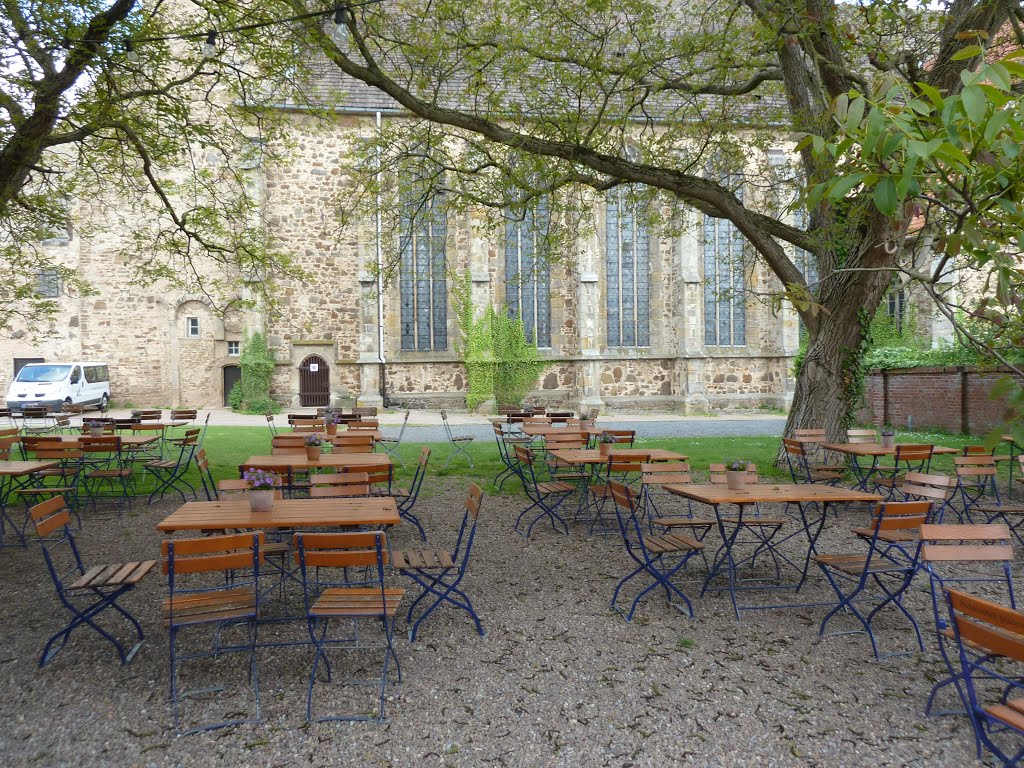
94	374
43	373
76	375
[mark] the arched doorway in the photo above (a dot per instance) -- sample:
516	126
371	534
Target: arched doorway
232	375
314	382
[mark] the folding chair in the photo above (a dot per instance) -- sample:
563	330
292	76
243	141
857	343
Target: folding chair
271	425
563	470
620	436
976	481
380	476
148	414
364	425
958	555
888	567
908	458
184	414
1009	512
803	471
649	553
365	411
170	473
391	444
539	493
938	489
658	475
86	593
194	600
63	480
406	498
439	572
622	469
861	436
210	488
103	463
325	560
991	649
504	439
459	442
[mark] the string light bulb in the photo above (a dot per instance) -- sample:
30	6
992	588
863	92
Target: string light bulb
339	18
129	52
210	46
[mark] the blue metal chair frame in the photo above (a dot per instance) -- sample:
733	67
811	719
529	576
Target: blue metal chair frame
206	476
888	567
442	581
407	500
908	458
325	600
503	439
102	585
987	637
67	482
800	468
943	546
538	494
239	556
459	442
649	553
103	461
391	444
170	475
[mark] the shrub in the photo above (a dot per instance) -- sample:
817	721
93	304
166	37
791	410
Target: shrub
257	366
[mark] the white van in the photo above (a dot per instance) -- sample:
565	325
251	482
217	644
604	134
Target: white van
55	385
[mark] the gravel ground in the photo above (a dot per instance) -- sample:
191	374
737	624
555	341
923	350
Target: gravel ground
559	679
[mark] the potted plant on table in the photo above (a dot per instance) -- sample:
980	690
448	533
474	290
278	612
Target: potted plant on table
888	437
331	421
95	428
736	474
605	443
313	446
262	484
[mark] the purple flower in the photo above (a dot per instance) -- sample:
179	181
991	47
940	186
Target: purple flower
260	479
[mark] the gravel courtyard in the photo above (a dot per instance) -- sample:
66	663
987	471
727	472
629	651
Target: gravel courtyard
558	680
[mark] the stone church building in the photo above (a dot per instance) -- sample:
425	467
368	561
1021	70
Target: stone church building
635	320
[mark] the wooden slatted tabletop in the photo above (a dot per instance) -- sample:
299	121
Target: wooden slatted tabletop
324	460
877	449
544	430
287	513
594	456
767	493
19	468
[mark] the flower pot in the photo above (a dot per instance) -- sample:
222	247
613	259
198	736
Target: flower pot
889	441
736	481
261	500
332	429
605	448
586	424
312	452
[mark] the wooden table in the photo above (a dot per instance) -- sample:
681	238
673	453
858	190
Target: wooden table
287	513
803	495
125	439
300	461
9	470
874	451
545	430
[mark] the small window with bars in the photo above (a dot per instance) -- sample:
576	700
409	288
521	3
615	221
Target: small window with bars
234	348
628	265
422	281
527	274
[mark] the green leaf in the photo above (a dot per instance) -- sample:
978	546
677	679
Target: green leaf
923	149
845	184
932	93
967	52
999	76
975	103
885	196
856	114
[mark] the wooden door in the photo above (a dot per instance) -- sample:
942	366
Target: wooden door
232	375
314	382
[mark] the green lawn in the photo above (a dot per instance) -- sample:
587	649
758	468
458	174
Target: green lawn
227	447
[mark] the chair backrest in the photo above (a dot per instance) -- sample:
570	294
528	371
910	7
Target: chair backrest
979	468
900	515
324	558
666	473
240	554
6	444
560	414
378	474
10	431
50	515
288	450
978	450
716	473
68	454
794	447
629	464
858	436
989	628
352	443
184	414
110	427
365	410
148	414
364	424
810	435
567	441
341	484
913	453
290	439
972	543
932	487
536	420
108	444
190	438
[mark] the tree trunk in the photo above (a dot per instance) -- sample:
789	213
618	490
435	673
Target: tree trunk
831	363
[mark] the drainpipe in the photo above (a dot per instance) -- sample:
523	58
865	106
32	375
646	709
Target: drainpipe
380	274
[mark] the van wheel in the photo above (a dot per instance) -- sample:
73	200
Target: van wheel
104	401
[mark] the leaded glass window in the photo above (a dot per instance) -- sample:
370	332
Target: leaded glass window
628	263
422	283
725	314
527	275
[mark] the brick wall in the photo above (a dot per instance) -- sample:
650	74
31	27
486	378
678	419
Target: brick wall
953	398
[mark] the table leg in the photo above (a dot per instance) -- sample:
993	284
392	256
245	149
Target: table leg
6	485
